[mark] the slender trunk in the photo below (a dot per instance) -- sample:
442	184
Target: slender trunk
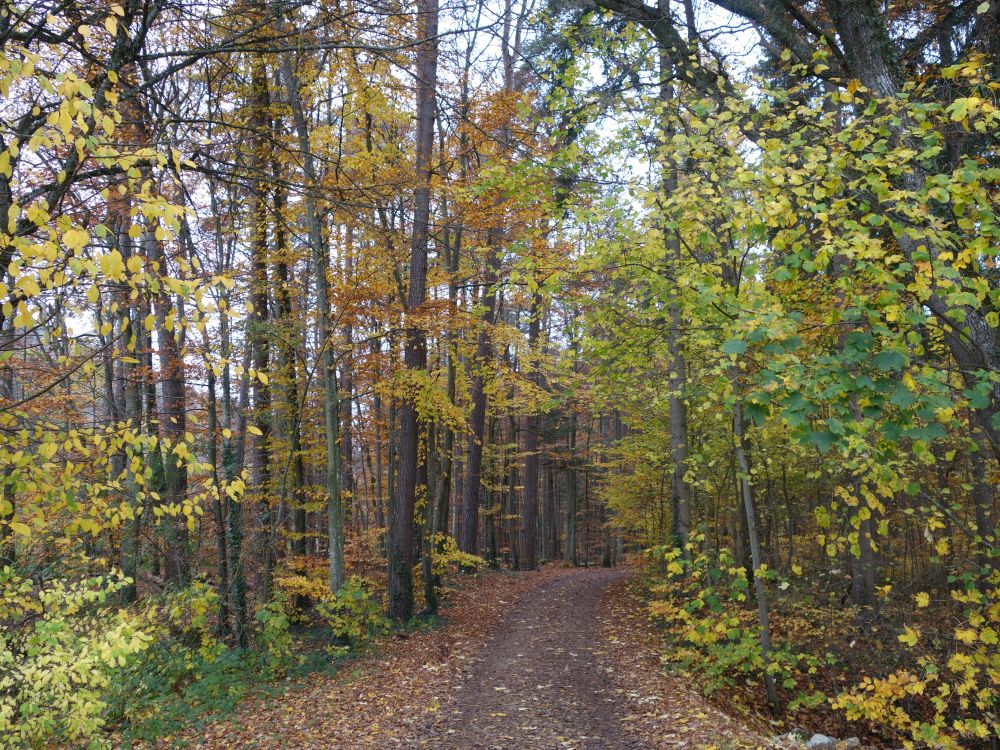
222	556
289	368
755	552
321	262
172	423
571	494
400	536
477	420
132	415
346	383
490	523
379	489
529	524
680	490
258	333
233	453
427	527
8	500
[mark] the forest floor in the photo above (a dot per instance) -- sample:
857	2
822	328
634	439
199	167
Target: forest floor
561	659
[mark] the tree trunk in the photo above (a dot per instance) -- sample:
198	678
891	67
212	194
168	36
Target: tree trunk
477	420
755	551
529	522
222	556
172	424
321	263
400	539
571	495
258	333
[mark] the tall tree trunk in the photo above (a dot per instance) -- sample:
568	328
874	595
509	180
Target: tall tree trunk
429	465
233	457
400	537
680	490
130	325
259	334
321	262
379	469
222	556
346	387
477	420
172	422
755	551
529	524
572	492
290	394
8	500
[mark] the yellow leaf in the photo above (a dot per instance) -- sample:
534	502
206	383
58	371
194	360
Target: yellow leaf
910	637
29	286
112	265
76	239
254	430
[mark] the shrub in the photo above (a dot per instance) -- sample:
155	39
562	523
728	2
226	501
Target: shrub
183	648
446	556
711	632
301	581
354	613
275	645
952	696
59	645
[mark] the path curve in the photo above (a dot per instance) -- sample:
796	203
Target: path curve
538	684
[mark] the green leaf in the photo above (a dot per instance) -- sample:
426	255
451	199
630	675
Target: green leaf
756	412
977	399
889	360
902	397
734	346
822	440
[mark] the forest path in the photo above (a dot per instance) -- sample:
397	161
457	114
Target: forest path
538	682
560	659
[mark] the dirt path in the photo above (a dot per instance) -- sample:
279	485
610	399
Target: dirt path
538	683
561	659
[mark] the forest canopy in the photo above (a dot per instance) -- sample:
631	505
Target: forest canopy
309	308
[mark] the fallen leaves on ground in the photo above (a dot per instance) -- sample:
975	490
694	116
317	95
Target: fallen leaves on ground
659	707
383	699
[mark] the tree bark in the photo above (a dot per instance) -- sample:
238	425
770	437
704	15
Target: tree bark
400	537
321	263
755	551
172	424
529	519
258	333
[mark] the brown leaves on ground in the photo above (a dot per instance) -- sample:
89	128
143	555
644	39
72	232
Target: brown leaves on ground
428	688
659	707
384	699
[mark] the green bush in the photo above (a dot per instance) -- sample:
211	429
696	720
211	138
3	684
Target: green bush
59	646
702	605
354	613
275	647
